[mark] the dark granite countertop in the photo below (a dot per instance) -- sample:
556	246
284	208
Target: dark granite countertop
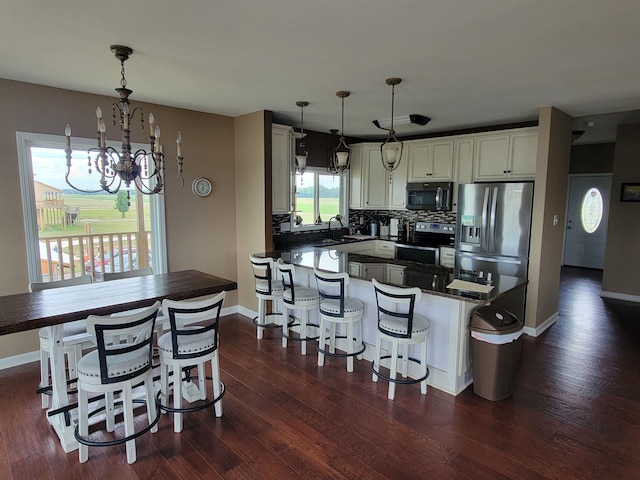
432	279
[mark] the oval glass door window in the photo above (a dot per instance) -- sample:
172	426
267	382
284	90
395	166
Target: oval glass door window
591	212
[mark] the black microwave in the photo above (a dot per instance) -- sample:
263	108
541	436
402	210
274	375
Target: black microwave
429	196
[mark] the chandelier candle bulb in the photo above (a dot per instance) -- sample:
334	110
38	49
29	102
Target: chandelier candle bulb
152	124
157	135
99	116
179	144
67	134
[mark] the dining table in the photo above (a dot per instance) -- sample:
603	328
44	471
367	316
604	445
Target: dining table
55	307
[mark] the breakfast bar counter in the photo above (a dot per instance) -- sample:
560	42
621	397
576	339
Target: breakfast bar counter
447	309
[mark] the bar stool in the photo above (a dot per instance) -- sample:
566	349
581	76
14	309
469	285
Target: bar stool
337	308
121	361
268	289
400	326
74	338
297	297
189	346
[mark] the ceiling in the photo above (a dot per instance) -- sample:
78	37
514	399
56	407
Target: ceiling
464	63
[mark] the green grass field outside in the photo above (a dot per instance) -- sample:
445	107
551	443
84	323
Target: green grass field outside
328	208
100	213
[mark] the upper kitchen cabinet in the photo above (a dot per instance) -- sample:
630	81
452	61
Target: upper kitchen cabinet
355	176
397	199
282	148
431	160
376	178
506	156
463	165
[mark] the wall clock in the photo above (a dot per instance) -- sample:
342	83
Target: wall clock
201	187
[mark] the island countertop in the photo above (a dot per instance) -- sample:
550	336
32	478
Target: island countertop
432	279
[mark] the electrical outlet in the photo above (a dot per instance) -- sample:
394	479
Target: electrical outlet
555	219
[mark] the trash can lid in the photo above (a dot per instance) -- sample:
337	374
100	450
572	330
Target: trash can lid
494	319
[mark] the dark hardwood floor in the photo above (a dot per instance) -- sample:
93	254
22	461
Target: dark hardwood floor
575	414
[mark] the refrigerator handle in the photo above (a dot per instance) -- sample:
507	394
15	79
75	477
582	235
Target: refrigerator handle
485	210
492	219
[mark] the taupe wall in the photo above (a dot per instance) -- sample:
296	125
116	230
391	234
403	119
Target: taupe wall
552	171
251	132
201	232
596	158
622	260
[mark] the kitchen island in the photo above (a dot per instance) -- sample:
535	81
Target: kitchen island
448	310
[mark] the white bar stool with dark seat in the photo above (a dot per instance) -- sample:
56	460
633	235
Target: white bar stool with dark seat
268	289
297	297
188	346
74	335
337	308
122	361
399	325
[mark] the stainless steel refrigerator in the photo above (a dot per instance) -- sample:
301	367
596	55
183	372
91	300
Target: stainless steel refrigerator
493	230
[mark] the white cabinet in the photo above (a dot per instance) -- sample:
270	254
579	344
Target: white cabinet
431	160
282	148
398	185
385	249
506	156
355	177
374	270
463	165
395	275
363	248
369	180
376	183
447	257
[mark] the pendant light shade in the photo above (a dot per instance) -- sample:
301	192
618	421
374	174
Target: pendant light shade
391	148
340	156
301	153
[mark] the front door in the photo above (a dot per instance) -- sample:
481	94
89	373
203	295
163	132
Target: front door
587	215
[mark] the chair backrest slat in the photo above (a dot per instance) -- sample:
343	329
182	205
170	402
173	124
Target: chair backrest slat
184	313
288	271
139	272
398	303
332	286
120	336
67	282
263	270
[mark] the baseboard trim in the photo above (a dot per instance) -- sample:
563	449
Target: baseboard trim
20	359
534	332
246	312
620	296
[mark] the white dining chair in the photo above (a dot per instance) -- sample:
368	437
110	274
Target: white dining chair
122	361
74	338
187	346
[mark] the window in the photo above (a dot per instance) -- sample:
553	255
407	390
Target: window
69	233
592	210
318	197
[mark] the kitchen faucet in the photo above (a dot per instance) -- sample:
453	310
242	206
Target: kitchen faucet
338	218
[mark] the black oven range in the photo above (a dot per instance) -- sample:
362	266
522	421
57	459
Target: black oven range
424	245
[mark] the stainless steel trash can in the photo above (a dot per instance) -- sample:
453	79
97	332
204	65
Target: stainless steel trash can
496	343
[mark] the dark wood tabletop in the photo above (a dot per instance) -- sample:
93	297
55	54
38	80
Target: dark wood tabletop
28	311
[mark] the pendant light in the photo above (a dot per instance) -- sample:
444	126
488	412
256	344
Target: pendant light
301	153
391	148
340	156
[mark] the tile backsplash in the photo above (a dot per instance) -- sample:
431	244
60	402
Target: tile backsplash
360	219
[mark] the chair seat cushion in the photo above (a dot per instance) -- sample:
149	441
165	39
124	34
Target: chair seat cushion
89	365
352	307
304	296
187	344
276	287
68	330
397	325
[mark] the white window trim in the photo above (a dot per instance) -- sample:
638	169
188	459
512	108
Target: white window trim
27	140
344	201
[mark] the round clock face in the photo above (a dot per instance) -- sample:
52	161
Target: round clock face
201	187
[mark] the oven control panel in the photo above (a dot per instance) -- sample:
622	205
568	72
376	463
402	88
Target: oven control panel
431	227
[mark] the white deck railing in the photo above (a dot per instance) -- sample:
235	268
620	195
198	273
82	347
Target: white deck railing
75	255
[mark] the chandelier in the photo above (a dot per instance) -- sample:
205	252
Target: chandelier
301	153
144	169
391	148
340	154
